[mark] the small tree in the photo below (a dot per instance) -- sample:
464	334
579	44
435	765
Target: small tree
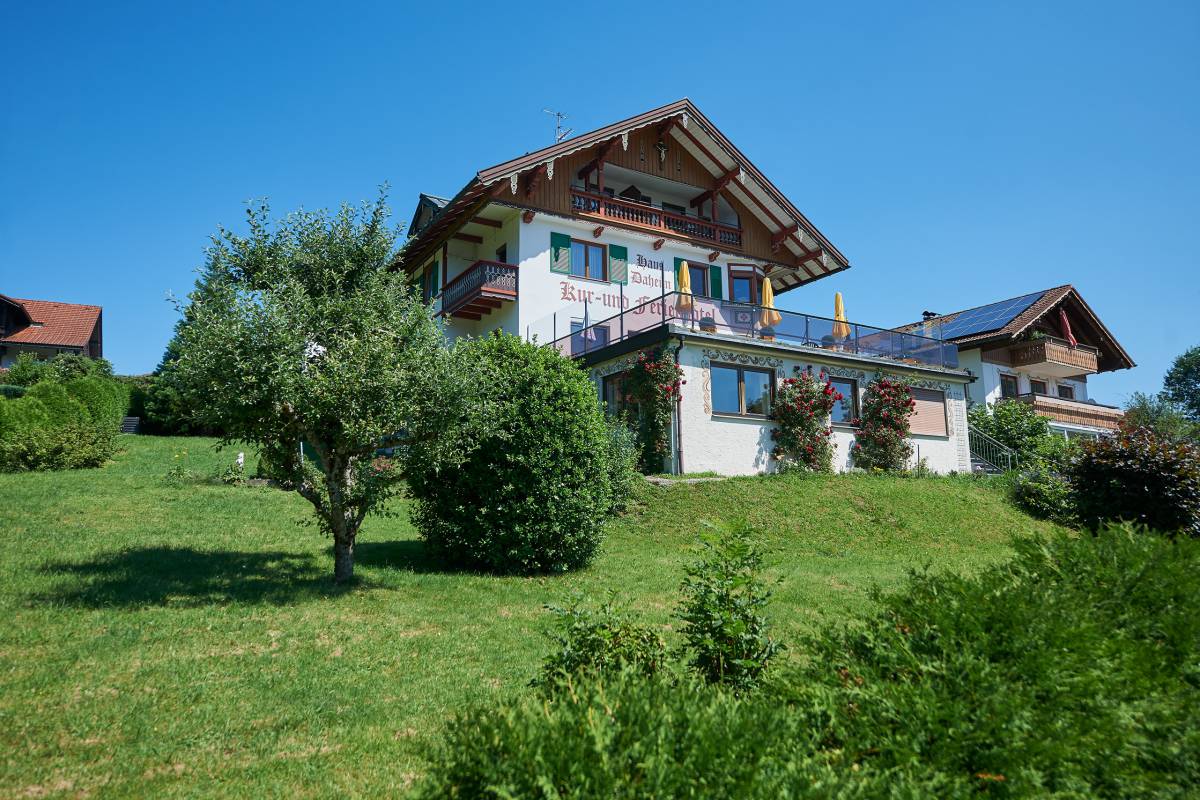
1161	415
302	334
1014	425
882	439
1182	383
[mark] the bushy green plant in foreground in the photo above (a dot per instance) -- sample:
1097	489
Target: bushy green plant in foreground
61	426
526	486
1068	672
604	641
1043	492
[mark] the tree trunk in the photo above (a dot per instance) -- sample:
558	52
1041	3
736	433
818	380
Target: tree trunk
343	560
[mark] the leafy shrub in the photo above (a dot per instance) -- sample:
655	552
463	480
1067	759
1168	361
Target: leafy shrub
1013	424
882	438
105	400
65	367
1067	672
11	391
1044	493
56	426
722	612
802	434
524	484
61	407
589	643
1161	415
654	382
623	475
1138	476
72	445
27	370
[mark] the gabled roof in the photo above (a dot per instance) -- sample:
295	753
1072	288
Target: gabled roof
428	207
53	324
1007	320
702	140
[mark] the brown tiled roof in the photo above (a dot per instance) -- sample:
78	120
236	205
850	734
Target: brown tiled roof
1050	299
61	324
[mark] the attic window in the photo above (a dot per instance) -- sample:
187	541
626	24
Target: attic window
36	324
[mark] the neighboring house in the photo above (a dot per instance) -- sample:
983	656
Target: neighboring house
47	328
582	245
1039	349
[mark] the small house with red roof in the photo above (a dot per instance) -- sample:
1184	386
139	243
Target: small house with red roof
46	328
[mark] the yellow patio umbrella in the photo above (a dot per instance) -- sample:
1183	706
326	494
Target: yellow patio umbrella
685	287
769	317
841	327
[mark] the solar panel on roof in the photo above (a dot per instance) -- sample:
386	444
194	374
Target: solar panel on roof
988	318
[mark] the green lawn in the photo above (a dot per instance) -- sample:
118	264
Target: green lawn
185	640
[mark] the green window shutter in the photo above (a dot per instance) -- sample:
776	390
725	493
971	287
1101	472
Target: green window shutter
714	282
560	253
435	285
618	264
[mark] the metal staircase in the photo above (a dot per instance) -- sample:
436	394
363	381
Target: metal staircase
988	455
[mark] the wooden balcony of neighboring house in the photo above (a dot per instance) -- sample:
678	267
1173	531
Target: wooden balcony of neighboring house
644	215
1053	356
480	289
1074	412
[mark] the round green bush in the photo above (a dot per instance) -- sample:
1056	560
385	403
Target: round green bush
11	391
104	399
61	407
1138	476
1043	492
524	485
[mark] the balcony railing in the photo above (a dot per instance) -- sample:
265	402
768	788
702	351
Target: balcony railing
651	217
1074	412
480	288
1053	351
705	315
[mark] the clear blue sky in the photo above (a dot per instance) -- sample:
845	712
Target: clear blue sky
958	153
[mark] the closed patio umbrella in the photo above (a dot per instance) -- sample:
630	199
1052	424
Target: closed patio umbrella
685	287
770	317
841	327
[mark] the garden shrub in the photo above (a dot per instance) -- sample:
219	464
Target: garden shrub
654	383
882	439
57	426
61	407
526	485
27	370
1042	491
105	400
589	643
801	410
1015	425
1139	476
622	464
1067	672
727	635
11	391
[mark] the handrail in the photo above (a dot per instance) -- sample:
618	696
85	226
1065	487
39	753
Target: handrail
645	214
492	275
1087	348
1026	397
990	451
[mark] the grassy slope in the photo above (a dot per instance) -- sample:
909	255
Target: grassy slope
181	641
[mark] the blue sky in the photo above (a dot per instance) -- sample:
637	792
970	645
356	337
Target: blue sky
957	153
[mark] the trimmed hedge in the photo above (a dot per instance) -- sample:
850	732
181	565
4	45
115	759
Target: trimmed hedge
61	426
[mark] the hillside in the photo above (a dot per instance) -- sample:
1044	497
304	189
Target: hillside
169	638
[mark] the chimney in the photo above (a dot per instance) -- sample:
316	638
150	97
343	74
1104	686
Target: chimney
928	315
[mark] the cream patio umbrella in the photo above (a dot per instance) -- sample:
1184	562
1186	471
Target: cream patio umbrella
685	287
770	317
841	326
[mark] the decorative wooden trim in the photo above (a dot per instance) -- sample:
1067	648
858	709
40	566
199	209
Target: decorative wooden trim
491	223
596	231
467	237
534	179
527	217
713	255
658	243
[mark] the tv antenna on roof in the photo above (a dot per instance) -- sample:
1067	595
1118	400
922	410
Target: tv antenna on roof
560	132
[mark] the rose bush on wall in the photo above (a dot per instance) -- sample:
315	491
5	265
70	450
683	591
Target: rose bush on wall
882	440
802	410
654	384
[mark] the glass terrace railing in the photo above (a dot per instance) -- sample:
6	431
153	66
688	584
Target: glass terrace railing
705	315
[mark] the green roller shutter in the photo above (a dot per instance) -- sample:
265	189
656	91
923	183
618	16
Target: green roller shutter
618	264
714	282
560	253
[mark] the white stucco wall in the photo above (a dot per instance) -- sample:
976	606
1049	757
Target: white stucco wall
731	445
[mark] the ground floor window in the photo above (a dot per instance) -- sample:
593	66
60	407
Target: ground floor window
746	391
1008	386
929	416
617	400
845	410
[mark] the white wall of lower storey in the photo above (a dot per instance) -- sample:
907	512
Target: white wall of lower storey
732	445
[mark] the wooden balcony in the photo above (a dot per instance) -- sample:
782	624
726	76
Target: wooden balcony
1055	357
482	287
644	215
1073	412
